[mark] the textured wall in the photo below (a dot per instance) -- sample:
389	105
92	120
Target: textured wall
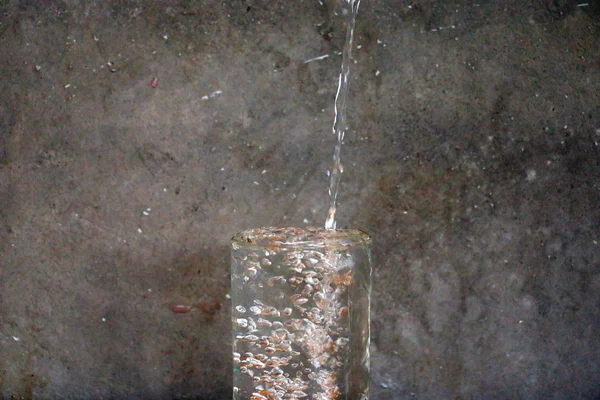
473	159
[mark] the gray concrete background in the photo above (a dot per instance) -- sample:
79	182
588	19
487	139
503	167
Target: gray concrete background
473	159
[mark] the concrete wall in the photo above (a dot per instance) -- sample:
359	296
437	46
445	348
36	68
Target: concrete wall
473	159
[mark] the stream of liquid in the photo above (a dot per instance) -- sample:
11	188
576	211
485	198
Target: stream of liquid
339	121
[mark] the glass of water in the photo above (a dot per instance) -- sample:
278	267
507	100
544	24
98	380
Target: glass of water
301	309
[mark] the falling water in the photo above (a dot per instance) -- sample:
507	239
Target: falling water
339	122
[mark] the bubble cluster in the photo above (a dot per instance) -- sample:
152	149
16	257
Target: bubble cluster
292	331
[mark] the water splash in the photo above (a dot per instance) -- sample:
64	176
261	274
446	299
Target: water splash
339	121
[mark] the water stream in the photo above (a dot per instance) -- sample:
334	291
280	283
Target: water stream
339	121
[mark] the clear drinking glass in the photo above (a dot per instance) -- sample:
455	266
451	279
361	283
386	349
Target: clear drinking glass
301	308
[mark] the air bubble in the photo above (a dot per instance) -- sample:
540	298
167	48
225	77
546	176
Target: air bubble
311	280
240	309
257	364
266	262
295	280
275	280
298	299
298	267
251	324
263	322
255	310
287	311
280	333
307	290
283	361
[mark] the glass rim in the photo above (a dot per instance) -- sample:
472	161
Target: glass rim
300	237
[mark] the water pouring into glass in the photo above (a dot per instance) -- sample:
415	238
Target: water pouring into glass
301	296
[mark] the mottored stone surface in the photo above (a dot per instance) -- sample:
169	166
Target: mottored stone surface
137	137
